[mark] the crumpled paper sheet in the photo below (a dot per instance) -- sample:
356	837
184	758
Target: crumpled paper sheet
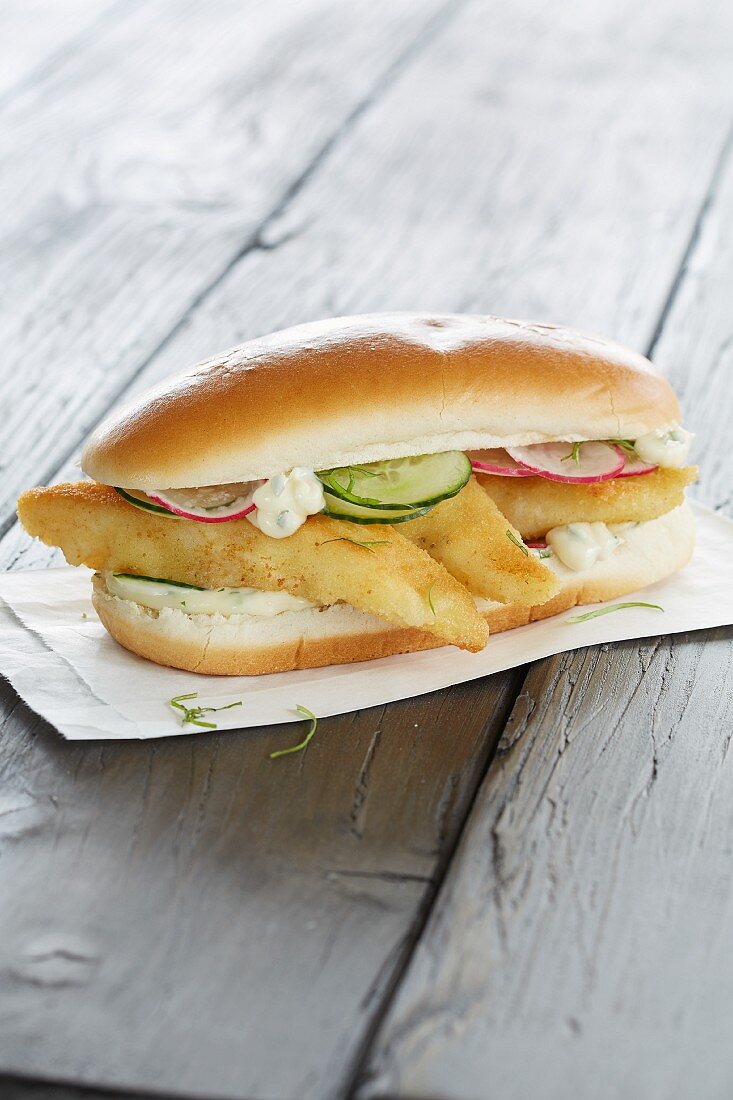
64	665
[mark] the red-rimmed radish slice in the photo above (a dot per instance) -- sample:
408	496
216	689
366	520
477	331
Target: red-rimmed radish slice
497	461
635	466
210	504
536	545
596	461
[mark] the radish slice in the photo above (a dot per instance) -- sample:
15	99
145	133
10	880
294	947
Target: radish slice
596	461
210	504
536	545
635	466
497	461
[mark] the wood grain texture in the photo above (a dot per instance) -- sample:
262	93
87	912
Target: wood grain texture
583	940
695	347
36	36
191	916
166	145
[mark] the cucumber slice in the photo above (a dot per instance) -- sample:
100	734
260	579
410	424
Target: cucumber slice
400	483
356	513
143	502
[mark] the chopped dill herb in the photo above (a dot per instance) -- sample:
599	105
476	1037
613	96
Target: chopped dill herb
431	605
192	715
305	713
368	544
626	445
545	553
517	542
158	580
574	454
352	472
614	607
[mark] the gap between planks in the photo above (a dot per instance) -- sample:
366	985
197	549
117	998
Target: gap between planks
695	234
35	1088
415	932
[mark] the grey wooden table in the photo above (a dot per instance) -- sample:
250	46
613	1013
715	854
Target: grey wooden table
522	887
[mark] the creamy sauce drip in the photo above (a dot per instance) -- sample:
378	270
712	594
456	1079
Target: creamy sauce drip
580	545
665	448
285	501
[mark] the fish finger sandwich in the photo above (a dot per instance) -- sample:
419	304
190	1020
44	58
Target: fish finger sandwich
370	485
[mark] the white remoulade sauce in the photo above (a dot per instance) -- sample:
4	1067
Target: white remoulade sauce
203	601
580	545
662	447
285	501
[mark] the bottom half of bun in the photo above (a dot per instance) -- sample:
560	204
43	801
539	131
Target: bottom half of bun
245	645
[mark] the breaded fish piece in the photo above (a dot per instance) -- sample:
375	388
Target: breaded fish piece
469	535
535	504
392	579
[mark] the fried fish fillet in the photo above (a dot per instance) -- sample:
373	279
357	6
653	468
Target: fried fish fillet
322	562
470	537
535	504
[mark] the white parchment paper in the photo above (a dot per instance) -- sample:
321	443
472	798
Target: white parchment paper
64	665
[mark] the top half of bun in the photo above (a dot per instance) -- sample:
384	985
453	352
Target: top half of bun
359	389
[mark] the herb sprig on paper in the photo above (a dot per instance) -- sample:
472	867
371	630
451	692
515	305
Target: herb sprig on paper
305	713
192	715
614	607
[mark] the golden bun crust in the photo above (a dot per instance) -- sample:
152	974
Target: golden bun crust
356	389
245	646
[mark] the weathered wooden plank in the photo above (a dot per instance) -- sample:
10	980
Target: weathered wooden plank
185	106
583	941
220	923
165	145
36	35
695	347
